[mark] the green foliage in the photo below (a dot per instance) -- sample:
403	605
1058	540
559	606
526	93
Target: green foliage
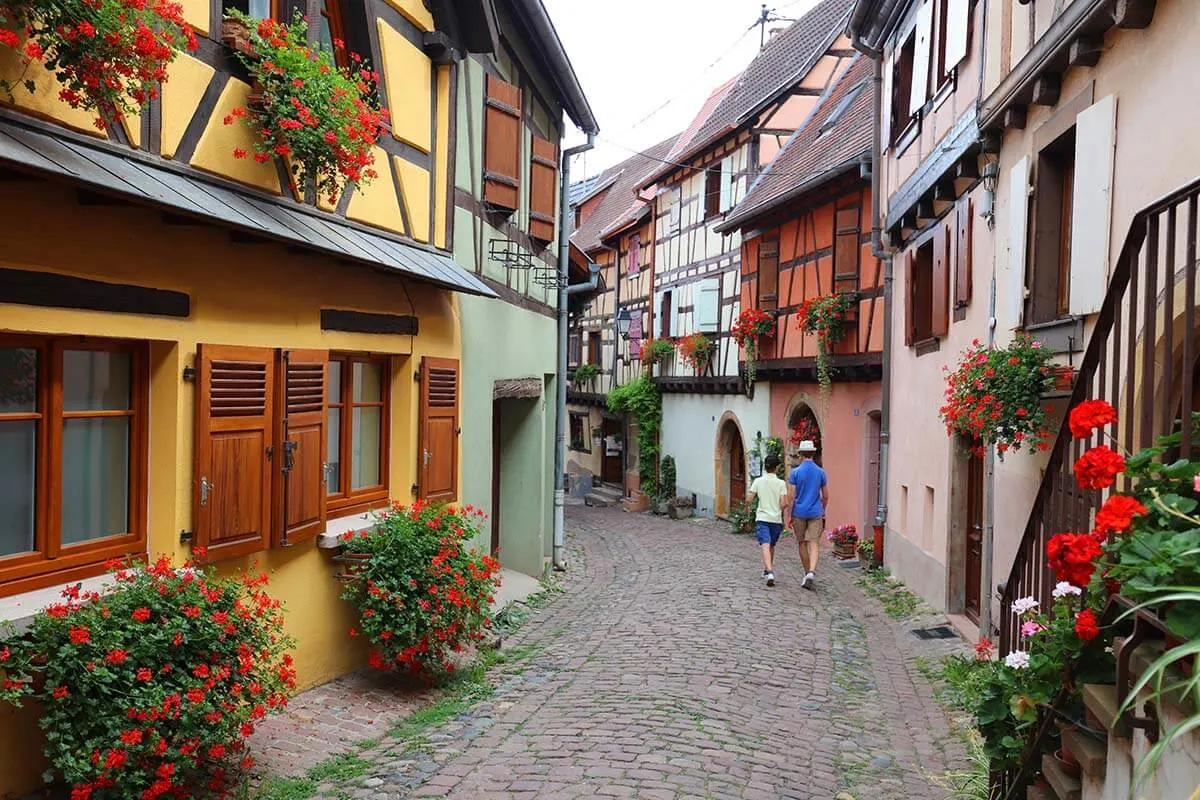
825	317
640	399
585	372
898	601
153	687
656	351
666	478
742	515
421	593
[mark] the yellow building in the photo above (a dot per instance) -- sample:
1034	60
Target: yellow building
189	356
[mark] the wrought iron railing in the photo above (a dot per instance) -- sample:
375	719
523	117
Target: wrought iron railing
1140	357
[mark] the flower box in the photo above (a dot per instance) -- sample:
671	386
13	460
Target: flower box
235	33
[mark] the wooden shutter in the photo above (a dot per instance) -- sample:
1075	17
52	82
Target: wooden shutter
708	305
940	303
1018	235
502	145
671	312
1091	205
726	197
438	423
301	463
235	415
635	335
909	295
634	263
962	261
920	70
886	104
768	274
543	187
958	32
712	191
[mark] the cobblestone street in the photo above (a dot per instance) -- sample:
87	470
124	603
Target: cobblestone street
667	669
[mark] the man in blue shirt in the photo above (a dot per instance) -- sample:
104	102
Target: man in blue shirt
808	510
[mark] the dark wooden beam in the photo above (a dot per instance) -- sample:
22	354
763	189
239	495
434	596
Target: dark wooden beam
909	224
181	220
241	237
1085	51
438	47
967	169
990	141
1013	118
333	319
25	287
925	211
1046	90
1135	14
90	198
944	192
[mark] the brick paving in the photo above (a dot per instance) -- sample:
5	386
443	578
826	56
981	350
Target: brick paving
668	670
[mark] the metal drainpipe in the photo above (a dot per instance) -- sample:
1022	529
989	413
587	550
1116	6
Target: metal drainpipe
560	407
989	495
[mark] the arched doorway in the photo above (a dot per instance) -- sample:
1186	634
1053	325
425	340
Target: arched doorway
731	466
802	425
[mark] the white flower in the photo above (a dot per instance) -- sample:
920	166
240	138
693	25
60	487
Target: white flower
1064	589
1017	659
1024	604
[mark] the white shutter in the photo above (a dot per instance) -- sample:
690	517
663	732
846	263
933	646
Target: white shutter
657	311
920	73
707	305
1018	234
674	303
1091	205
958	22
726	184
885	105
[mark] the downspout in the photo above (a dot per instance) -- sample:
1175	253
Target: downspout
989	467
560	416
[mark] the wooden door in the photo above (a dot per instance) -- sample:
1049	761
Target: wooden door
438	423
302	446
973	573
737	469
497	452
872	484
612	467
235	415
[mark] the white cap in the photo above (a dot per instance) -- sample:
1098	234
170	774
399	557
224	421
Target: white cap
807	446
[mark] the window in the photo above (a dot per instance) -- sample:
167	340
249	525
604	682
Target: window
902	77
920	295
357	440
674	211
579	437
594	341
1050	281
940	73
665	323
574	349
768	272
331	25
73	473
840	110
634	262
712	192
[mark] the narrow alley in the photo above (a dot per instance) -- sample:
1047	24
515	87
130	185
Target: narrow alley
668	670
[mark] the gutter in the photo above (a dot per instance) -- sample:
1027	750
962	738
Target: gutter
560	406
563	73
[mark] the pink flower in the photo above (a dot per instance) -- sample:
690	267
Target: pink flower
1030	628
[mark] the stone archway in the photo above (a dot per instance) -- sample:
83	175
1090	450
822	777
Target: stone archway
802	423
729	465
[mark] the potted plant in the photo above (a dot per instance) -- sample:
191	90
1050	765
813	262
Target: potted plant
845	541
866	554
680	507
110	56
666	486
1064	377
994	396
825	317
584	373
752	326
322	118
696	350
742	514
656	352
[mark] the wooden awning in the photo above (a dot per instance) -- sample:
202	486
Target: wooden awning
527	388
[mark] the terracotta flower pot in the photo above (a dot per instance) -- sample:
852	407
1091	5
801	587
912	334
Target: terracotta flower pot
352	564
1186	663
1067	762
235	34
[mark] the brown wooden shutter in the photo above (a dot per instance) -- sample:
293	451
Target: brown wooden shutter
940	303
438	470
962	261
909	295
543	184
502	144
235	416
768	272
301	462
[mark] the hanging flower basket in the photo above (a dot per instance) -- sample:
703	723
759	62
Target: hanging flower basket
825	317
753	325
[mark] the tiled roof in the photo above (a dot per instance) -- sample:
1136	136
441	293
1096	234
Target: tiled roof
812	154
618	200
784	61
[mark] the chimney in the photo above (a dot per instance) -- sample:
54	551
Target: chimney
771	34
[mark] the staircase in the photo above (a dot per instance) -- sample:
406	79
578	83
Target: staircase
1139	358
602	496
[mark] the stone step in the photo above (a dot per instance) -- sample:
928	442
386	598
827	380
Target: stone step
1090	752
1065	787
602	497
1100	700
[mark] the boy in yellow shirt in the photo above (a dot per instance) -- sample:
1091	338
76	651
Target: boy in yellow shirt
772	493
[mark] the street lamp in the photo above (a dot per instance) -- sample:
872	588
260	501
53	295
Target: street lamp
623	323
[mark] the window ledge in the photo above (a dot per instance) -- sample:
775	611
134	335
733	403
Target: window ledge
927	346
334	528
20	609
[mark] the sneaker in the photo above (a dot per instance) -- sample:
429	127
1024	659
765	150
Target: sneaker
807	583
770	576
765	573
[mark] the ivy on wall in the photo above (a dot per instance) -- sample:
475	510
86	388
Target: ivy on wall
641	400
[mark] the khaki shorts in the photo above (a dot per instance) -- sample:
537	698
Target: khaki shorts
808	530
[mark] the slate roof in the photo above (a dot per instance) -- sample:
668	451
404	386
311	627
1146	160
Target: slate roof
618	200
784	61
813	156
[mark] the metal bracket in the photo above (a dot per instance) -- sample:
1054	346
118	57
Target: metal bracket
189	374
186	536
289	460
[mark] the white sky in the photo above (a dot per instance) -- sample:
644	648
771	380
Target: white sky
631	56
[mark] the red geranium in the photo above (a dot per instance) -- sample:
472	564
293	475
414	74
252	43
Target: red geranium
1090	415
1072	557
1098	468
1117	513
1085	625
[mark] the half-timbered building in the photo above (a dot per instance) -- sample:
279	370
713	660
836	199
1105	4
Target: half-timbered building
697	269
806	234
193	355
